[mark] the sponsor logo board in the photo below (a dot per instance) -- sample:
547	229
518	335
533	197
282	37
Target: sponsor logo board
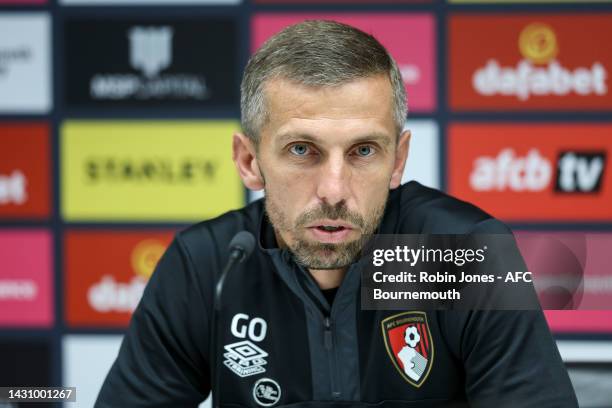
25	63
86	360
24	171
106	273
20	2
150	63
570	269
26	286
579	321
528	1
342	1
537	61
146	2
148	171
423	162
410	38
25	362
533	172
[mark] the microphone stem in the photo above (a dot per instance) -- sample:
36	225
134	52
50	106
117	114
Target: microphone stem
234	258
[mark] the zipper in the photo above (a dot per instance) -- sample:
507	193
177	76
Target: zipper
328	343
328	335
328	340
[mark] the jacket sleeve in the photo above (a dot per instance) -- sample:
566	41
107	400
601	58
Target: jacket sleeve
510	356
162	359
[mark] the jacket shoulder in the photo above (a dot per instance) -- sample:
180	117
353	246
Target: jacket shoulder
427	210
208	241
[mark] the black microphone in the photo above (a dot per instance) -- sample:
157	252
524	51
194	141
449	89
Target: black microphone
240	248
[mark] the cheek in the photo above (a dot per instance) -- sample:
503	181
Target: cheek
371	188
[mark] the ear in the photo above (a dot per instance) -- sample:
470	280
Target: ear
401	154
243	154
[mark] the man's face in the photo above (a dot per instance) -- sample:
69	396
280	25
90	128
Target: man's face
327	157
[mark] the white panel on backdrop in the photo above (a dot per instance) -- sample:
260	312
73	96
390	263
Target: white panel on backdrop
145	2
255	195
423	163
86	361
583	351
25	63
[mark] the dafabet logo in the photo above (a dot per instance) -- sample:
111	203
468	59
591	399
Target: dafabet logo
530	62
106	273
541	172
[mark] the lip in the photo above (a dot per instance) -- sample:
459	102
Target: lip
330	237
330	223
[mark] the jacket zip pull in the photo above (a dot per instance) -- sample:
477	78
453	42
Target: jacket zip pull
327	334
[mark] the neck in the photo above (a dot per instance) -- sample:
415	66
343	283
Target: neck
328	278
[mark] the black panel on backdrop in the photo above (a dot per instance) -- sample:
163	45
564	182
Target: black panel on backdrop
25	363
172	62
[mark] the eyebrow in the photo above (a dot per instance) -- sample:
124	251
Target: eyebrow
381	138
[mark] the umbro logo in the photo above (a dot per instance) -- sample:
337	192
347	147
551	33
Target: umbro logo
244	357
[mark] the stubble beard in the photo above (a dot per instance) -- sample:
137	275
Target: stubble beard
317	255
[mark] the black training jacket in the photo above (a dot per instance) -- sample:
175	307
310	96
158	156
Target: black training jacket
280	344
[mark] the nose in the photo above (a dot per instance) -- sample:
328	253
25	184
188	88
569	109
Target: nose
334	180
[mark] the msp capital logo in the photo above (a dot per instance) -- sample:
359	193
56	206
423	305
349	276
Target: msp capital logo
409	345
145	63
150	49
150	52
539	73
245	358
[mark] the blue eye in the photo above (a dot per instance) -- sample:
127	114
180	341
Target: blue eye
365	151
299	149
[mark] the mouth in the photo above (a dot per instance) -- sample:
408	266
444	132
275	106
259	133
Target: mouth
328	231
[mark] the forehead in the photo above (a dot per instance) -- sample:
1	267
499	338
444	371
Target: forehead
363	105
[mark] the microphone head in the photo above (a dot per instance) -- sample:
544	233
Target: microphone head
244	242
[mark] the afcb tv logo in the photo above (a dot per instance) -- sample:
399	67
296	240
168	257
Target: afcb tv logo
580	172
577	172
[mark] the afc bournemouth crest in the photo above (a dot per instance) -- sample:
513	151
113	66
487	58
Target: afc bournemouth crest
409	345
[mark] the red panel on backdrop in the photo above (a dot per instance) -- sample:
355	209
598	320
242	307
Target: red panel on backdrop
25	171
106	272
22	1
535	172
579	321
409	37
537	61
26	278
376	2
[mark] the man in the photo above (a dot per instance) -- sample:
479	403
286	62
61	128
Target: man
323	109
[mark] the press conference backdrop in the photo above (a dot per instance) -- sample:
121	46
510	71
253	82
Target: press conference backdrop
115	131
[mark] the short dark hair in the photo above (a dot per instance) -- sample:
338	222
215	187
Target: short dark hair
316	53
